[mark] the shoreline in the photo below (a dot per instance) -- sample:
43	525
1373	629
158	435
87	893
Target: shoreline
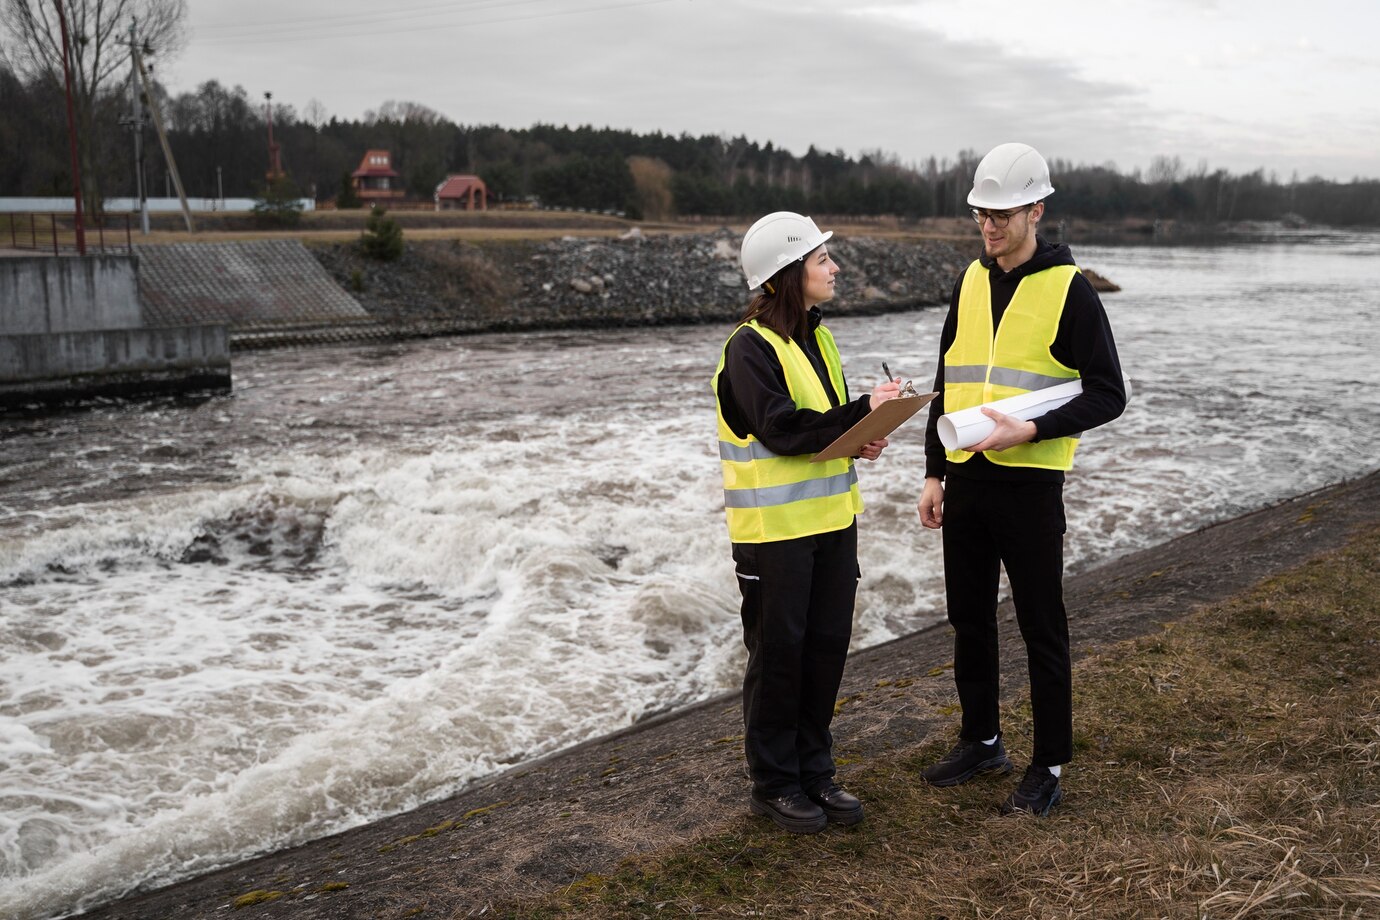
677	778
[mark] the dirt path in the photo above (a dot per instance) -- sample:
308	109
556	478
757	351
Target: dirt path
680	777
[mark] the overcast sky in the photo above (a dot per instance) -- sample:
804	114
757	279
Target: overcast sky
1290	87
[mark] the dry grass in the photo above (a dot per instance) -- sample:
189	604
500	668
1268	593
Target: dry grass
1227	767
469	275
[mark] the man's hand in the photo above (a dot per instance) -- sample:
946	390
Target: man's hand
931	505
1009	432
873	449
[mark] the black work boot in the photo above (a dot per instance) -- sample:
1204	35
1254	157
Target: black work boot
839	805
966	760
1037	793
793	811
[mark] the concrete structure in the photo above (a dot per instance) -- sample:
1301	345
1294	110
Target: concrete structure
376	180
68	295
254	286
73	328
462	192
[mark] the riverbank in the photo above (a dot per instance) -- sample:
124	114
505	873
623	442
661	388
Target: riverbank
671	790
633	279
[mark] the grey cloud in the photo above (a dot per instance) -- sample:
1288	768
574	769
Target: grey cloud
796	74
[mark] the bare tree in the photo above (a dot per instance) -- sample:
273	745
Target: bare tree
1165	170
315	114
99	30
98	51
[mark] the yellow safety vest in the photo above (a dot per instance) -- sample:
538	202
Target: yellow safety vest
981	366
769	497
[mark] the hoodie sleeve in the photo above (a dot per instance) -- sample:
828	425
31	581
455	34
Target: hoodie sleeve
1084	342
756	401
935	460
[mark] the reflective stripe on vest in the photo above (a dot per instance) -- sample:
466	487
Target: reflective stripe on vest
792	492
982	365
768	496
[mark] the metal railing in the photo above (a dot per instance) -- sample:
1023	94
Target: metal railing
56	233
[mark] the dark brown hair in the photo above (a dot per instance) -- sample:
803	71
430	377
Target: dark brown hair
780	306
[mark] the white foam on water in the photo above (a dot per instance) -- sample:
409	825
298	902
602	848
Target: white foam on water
456	617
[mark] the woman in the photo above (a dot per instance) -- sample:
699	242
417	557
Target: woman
782	398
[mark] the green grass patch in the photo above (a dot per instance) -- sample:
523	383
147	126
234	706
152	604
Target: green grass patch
256	897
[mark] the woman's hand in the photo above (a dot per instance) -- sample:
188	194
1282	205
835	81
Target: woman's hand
873	449
884	391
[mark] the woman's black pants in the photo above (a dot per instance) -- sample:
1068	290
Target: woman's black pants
1019	525
797	619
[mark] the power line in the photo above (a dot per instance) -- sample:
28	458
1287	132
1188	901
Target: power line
277	36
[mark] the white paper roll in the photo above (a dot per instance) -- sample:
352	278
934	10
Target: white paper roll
966	427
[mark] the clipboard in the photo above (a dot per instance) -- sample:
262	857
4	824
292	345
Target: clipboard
878	423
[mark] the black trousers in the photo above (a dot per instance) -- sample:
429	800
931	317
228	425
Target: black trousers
1019	525
797	620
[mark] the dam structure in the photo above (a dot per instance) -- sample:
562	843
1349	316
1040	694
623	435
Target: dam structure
75	327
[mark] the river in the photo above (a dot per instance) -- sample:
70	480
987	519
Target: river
375	574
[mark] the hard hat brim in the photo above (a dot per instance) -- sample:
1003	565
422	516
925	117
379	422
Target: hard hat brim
976	201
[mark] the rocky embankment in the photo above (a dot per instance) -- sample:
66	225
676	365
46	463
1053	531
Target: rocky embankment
633	280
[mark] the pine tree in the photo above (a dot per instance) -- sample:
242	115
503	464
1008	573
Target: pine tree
382	238
348	199
280	205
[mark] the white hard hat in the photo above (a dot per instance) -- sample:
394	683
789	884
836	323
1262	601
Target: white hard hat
774	242
1009	176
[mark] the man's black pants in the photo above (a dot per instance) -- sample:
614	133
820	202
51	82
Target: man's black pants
1019	525
797	619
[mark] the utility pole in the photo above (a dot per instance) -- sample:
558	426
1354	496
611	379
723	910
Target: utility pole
275	166
72	131
135	122
162	137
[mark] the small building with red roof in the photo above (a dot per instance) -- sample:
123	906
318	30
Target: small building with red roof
376	180
462	192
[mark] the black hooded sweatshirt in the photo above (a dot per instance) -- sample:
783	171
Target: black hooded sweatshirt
1083	342
755	399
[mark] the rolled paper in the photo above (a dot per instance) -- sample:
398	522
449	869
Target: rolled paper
966	427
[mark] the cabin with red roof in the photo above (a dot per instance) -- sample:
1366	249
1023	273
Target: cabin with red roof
375	180
462	192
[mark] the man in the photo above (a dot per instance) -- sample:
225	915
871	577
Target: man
1021	318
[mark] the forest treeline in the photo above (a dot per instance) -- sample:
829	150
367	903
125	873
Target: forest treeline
219	140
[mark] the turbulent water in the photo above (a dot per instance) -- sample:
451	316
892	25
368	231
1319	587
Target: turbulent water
373	575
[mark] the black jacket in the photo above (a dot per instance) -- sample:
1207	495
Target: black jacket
755	399
1083	341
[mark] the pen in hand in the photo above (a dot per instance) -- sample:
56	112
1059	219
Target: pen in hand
886	370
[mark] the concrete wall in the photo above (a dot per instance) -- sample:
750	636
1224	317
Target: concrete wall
73	328
113	362
68	294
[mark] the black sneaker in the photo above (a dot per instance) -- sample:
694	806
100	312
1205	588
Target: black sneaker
1037	793
792	811
966	760
839	805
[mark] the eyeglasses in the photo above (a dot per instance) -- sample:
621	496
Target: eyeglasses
999	218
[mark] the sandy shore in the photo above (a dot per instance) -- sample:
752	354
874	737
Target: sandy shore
680	777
